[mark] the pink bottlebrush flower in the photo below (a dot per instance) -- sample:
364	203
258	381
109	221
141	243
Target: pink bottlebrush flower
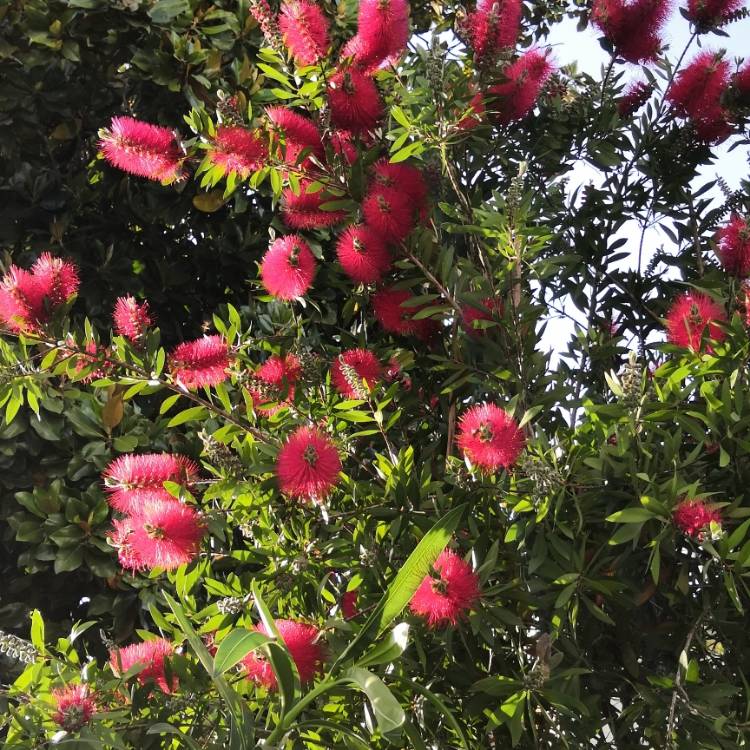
491	28
308	465
364	368
634	98
57	278
696	94
281	374
690	316
303	210
493	309
362	254
382	33
448	595
262	13
303	643
390	213
96	356
342	143
22	301
404	178
733	246
490	438
200	363
288	267
741	82
165	534
475	117
131	318
133	478
119	537
387	304
708	13
75	706
152	655
305	30
348	604
693	518
354	101
299	134
515	98
142	149
237	149
633	28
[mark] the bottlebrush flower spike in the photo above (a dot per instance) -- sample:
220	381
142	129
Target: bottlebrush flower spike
305	31
404	178
697	93
733	246
22	301
706	14
475	117
693	518
348	604
142	149
57	278
308	465
133	478
131	318
691	314
75	706
119	538
491	28
342	143
303	643
634	98
493	309
200	363
303	210
363	254
382	33
390	213
94	355
515	98
489	437
288	267
165	534
150	654
299	134
278	374
388	306
237	149
354	101
741	82
633	28
355	373
448	595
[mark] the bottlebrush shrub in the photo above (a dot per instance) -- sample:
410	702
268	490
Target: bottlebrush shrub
461	463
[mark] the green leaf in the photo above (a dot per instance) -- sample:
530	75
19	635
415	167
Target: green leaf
235	647
164	11
37	630
389	649
389	715
630	515
188	415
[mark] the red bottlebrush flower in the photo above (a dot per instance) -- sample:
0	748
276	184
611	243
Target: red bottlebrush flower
489	437
133	478
299	134
633	28
493	309
237	149
733	246
22	301
390	213
308	465
150	654
200	363
348	604
382	32
142	149
119	537
281	374
262	13
165	534
132	319
354	100
491	28
362	365
75	707
305	30
57	278
634	98
690	316
708	13
288	267
694	517
474	118
741	82
696	94
302	642
342	143
94	355
515	98
303	210
404	178
446	597
362	254
388	305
